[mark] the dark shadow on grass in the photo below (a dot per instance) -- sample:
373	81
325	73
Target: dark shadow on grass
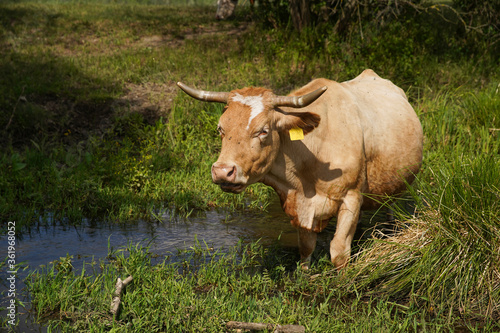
47	98
44	97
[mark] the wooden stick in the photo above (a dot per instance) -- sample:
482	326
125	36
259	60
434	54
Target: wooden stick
237	325
115	303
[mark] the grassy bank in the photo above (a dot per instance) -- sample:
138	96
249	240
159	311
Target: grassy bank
203	289
93	126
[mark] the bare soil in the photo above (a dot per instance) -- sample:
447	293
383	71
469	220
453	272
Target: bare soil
192	34
152	100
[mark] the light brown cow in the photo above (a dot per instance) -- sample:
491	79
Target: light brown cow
362	142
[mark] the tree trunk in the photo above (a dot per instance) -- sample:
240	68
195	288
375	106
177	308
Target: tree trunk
301	13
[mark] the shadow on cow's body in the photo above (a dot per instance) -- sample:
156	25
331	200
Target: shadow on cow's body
362	140
313	172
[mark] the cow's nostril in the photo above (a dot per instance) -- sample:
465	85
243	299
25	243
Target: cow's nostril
230	173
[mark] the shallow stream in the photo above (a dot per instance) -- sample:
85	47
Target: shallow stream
90	240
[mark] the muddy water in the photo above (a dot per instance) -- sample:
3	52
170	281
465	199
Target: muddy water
217	229
46	243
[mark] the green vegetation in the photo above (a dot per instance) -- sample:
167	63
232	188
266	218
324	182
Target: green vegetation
73	146
206	288
93	126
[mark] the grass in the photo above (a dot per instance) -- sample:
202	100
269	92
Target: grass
207	288
447	257
92	127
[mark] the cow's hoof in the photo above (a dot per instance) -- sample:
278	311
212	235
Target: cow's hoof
339	256
305	264
340	262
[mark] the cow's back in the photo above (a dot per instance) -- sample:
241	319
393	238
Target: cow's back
392	134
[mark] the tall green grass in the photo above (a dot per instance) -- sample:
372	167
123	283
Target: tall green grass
445	259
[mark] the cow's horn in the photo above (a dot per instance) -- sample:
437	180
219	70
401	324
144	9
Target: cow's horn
207	96
299	101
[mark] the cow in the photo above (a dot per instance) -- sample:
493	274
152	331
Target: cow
225	8
328	149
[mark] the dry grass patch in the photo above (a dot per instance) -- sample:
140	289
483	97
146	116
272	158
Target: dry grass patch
442	272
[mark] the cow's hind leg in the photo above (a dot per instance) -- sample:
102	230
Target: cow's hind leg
347	219
307	243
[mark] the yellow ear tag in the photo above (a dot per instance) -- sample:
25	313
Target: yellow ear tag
296	134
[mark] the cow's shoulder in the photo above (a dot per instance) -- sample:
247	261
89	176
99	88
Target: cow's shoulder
368	73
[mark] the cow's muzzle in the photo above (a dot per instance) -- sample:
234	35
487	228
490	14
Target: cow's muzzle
226	176
233	188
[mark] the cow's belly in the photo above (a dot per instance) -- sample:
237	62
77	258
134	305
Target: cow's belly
389	179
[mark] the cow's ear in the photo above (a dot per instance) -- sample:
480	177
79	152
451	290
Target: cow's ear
307	121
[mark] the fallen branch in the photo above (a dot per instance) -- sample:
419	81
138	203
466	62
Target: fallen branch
115	303
237	325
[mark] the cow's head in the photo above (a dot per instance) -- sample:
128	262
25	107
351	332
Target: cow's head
225	9
250	128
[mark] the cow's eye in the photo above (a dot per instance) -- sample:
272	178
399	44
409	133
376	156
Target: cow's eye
262	133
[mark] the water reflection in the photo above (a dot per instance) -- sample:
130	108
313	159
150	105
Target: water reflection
46	243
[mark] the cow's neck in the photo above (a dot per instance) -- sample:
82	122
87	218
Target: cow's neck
278	173
292	170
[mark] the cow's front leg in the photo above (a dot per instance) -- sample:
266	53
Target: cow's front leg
347	219
307	244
